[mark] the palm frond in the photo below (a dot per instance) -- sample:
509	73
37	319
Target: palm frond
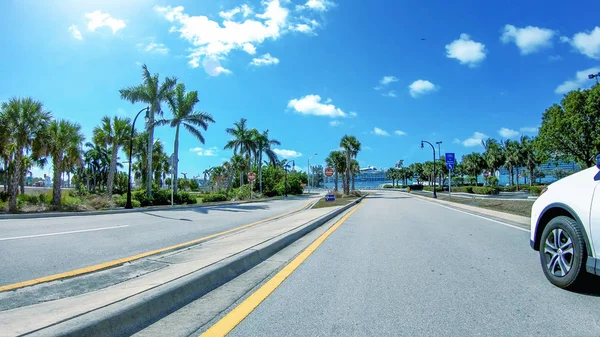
195	132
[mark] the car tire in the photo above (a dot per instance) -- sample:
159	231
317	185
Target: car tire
563	253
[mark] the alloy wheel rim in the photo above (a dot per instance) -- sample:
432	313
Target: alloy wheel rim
559	252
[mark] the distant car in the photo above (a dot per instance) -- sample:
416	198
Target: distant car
565	228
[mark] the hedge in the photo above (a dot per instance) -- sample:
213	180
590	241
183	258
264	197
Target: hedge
488	190
536	190
214	197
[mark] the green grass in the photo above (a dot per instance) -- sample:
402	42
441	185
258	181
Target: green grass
338	202
517	207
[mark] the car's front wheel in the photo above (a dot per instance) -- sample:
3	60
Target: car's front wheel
563	252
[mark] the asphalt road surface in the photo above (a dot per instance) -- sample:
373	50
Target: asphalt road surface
33	248
401	266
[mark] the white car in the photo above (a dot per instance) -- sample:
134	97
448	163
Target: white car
565	228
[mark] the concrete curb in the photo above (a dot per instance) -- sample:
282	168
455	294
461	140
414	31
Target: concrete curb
478	210
132	314
122	210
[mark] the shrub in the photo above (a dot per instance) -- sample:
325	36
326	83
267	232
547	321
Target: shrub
242	193
163	197
184	198
70	203
493	181
99	202
416	187
141	196
121	202
463	189
536	190
4	196
214	197
387	186
27	199
430	188
489	190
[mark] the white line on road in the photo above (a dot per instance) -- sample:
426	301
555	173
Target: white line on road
478	216
62	233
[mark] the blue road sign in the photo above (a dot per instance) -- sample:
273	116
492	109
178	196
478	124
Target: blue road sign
330	197
450	166
450	158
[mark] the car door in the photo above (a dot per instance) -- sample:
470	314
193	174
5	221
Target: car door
594	217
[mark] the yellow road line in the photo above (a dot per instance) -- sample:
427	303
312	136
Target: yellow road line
239	313
97	267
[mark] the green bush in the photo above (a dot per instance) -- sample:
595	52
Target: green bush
121	202
99	202
416	187
184	198
214	197
536	190
162	197
4	196
31	199
430	189
489	190
493	181
141	196
70	203
463	189
387	186
242	193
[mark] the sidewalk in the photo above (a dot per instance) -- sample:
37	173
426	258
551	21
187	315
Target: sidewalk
133	289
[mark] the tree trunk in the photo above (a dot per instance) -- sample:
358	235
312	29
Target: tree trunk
56	183
346	183
149	175
175	159
336	181
353	181
531	176
260	171
14	183
22	180
6	174
517	169
113	167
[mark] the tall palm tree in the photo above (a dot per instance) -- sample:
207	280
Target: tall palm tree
337	161
182	106
238	163
97	159
113	133
242	141
493	155
263	145
63	140
27	120
351	147
355	169
153	93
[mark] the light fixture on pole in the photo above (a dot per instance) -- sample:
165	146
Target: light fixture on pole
128	204
308	170
592	76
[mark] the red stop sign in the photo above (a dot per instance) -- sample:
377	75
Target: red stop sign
329	172
251	176
486	174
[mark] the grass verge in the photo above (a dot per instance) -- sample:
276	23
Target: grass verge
338	202
517	207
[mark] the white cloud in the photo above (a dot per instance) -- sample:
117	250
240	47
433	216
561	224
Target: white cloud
564	39
244	9
264	60
588	44
97	19
400	133
153	47
311	105
353	114
529	129
212	152
456	141
386	80
213	67
335	123
466	51
529	39
380	132
391	93
508	133
475	140
287	154
421	87
317	5
75	32
249	48
301	27
581	80
215	39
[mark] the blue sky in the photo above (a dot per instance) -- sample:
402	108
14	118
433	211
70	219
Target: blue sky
309	71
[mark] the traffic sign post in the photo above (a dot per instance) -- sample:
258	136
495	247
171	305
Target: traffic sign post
450	161
251	178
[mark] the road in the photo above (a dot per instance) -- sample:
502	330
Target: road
33	248
402	266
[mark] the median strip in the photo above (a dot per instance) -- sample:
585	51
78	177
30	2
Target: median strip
114	263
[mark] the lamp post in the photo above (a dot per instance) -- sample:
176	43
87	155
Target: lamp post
128	204
285	167
308	170
439	157
592	76
433	148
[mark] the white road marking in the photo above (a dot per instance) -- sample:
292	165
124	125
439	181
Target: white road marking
62	233
478	216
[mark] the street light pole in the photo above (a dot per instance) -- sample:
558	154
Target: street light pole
308	170
439	157
433	148
128	204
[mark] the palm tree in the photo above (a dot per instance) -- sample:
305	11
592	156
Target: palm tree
263	145
182	106
242	141
63	141
354	170
153	93
27	120
97	159
112	133
351	146
473	163
239	164
493	155
337	161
